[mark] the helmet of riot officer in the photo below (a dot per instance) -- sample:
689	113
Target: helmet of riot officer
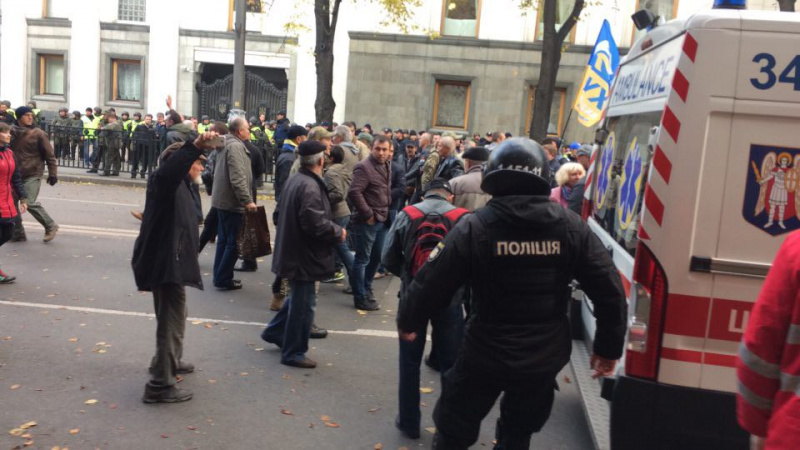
76	114
518	166
204	118
253	121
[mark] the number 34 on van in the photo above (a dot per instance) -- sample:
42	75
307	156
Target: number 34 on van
772	193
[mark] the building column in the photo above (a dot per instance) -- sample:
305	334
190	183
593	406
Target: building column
84	57
13	53
163	55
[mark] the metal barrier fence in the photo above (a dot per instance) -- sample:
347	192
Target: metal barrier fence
115	152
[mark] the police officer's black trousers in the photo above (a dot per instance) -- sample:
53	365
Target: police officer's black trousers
468	396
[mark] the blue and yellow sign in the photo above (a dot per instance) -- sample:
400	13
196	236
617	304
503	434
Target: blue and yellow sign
604	171
630	186
593	95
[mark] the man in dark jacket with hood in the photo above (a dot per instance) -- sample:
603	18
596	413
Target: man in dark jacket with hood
530	249
304	248
165	260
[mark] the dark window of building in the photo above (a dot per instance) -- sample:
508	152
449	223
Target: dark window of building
451	104
556	123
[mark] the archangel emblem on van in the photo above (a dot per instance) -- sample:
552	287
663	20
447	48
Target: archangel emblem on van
771	200
630	186
604	171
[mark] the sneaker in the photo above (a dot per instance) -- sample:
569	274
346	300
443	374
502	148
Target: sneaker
318	333
304	363
5	279
338	276
165	395
277	302
233	286
50	235
137	214
246	266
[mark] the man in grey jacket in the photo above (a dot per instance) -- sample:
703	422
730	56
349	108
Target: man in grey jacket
233	179
467	188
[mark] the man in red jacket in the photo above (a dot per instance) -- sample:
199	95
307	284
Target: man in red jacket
768	404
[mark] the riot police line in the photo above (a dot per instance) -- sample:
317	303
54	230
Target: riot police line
107	151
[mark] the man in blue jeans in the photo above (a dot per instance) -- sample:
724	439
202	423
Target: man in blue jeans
233	180
304	247
371	196
407	247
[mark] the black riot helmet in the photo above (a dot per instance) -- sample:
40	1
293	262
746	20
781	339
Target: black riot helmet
518	166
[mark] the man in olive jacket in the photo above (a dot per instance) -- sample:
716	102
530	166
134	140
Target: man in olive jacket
165	260
304	247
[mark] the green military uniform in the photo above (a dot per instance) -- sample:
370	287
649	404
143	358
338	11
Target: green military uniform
112	135
59	130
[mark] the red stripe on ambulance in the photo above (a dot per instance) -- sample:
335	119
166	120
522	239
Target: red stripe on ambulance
690	47
654	205
671	123
687	315
681	85
662	164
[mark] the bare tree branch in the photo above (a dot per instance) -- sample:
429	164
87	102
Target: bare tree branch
566	28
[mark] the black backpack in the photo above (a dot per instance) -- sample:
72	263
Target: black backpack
426	232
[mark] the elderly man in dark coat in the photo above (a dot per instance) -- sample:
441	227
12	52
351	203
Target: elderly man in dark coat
165	260
304	248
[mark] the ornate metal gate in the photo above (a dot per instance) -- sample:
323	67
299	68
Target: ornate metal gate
261	97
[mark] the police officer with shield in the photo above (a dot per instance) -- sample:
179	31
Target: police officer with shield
519	254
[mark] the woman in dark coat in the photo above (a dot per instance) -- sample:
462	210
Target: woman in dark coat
10	188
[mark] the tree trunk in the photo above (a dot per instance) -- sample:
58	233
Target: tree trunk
551	58
787	5
323	56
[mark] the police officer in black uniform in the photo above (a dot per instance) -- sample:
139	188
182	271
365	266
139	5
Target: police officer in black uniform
519	254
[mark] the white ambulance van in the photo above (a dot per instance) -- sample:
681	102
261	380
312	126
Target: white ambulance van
692	192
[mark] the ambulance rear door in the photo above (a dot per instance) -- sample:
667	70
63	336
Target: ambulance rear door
761	170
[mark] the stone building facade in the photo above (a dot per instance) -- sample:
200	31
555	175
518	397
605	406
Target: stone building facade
464	65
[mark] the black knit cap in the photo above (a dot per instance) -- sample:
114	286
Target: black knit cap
476	154
295	131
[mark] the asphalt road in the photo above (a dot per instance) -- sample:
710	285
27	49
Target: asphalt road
76	338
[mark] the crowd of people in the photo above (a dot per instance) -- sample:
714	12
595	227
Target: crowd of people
455	218
351	204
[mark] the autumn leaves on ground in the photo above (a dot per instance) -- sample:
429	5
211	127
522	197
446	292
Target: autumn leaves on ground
73	378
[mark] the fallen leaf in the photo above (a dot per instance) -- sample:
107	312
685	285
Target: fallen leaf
16	432
50	295
361	312
244	374
208	325
430	430
285	376
112	406
28	443
331	424
14	387
197	322
426	390
374	410
73	339
105	278
75	431
6	338
212	381
311	425
190	427
567	380
164	436
27	425
90	402
325	418
286	412
378	446
259	349
26	436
